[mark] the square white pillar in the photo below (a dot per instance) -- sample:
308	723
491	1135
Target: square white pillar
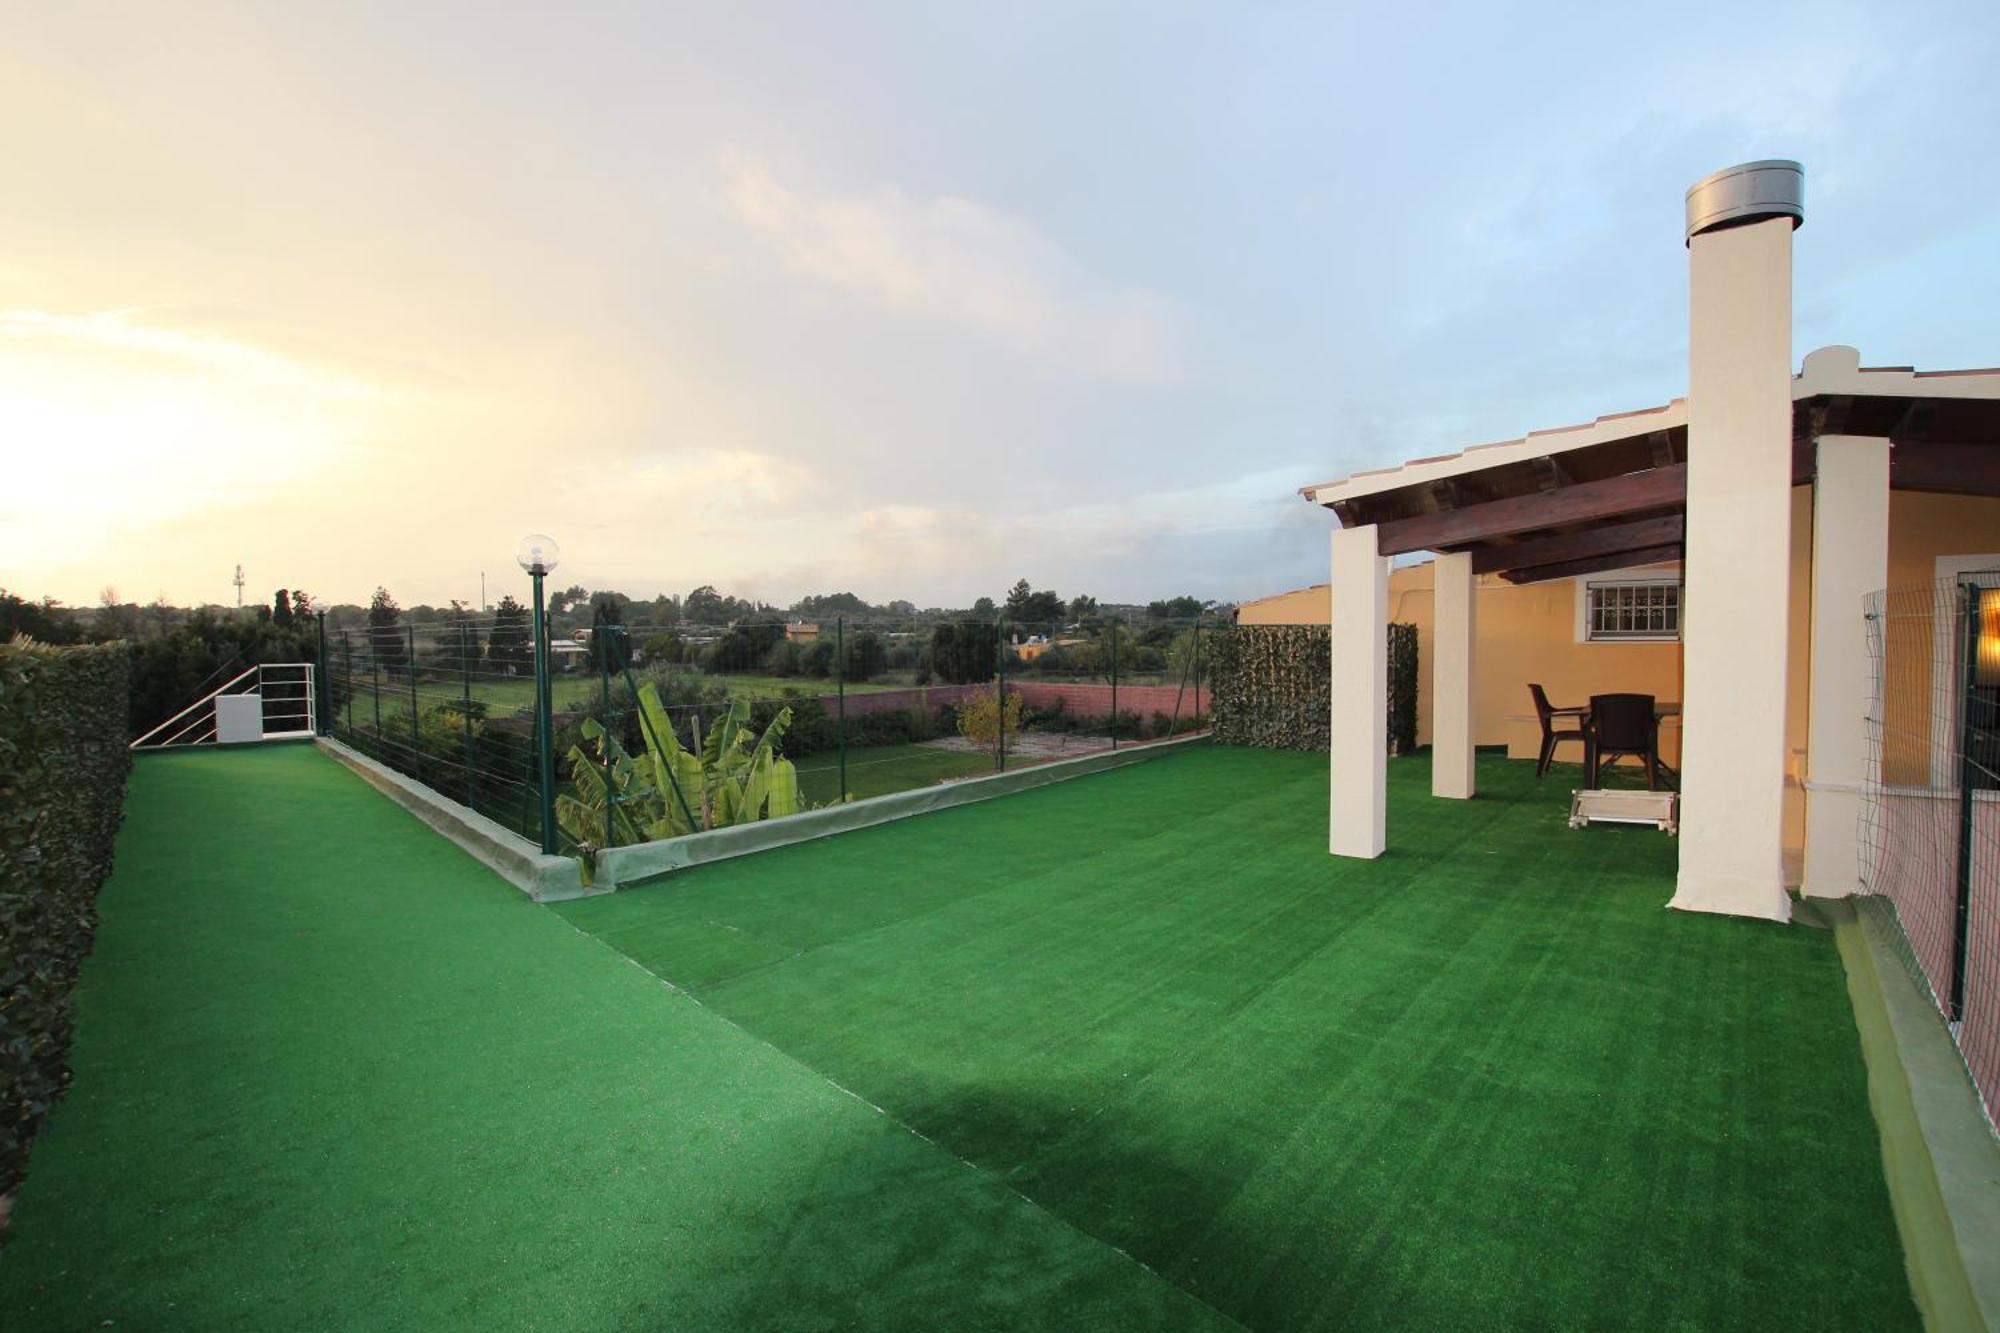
1850	559
1452	741
1357	822
1738	571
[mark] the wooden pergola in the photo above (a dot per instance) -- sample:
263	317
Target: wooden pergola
1612	494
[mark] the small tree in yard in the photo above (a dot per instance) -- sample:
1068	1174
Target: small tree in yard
979	717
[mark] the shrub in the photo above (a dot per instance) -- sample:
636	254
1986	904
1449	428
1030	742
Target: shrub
982	717
63	765
811	731
1124	725
817	659
900	726
867	655
782	659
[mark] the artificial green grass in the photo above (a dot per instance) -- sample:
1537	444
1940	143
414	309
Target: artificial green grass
878	770
330	1072
1486	1081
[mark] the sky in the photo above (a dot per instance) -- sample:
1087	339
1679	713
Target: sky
904	300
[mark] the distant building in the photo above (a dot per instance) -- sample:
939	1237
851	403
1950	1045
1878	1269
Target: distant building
802	631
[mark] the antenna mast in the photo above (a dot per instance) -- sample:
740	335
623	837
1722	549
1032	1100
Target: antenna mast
238	580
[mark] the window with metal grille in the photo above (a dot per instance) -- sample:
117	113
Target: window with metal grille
1626	611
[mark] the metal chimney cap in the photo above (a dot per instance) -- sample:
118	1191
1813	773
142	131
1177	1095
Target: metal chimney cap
1747	193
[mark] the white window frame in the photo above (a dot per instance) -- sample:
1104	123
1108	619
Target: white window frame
1646	576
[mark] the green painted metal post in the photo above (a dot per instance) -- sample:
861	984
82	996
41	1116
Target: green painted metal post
347	670
840	694
545	742
1197	666
410	664
375	681
1000	697
465	709
1113	630
1968	781
322	711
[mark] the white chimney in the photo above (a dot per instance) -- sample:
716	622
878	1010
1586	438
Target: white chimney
1735	621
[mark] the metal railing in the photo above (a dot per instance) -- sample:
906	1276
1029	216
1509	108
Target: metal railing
1931	808
289	708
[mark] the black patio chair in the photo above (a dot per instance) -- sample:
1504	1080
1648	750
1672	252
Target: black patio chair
1547	713
1619	725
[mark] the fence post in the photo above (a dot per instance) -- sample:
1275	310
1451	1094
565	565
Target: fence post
1000	697
1197	669
545	743
323	700
347	670
410	664
1968	775
465	709
840	696
1114	684
375	681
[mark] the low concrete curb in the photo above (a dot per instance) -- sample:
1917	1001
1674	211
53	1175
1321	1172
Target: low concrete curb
623	867
509	855
1940	1157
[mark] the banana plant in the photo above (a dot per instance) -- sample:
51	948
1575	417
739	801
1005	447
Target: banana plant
727	778
608	789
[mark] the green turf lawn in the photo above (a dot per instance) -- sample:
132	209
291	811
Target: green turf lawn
881	769
1484	1082
331	1073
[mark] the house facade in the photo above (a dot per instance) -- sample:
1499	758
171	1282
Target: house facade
1755	516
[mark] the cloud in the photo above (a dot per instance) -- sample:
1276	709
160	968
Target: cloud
959	262
115	422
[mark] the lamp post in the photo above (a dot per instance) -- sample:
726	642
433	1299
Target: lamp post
537	554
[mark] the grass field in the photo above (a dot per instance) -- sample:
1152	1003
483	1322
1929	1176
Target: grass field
1145	1056
503	697
881	769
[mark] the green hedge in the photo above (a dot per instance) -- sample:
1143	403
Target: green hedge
63	764
1271	682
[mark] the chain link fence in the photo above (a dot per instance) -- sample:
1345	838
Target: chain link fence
870	705
1930	858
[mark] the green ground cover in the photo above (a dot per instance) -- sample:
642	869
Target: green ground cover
331	1073
1486	1081
880	769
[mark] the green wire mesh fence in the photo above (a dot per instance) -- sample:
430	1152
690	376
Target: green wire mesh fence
1930	855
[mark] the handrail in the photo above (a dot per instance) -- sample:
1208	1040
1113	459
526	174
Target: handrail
190	720
222	688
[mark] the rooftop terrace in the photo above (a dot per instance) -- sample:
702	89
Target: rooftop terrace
1130	1050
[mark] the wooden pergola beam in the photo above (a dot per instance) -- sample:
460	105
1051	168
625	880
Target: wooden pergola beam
1951	469
1597	564
1666	530
1636	493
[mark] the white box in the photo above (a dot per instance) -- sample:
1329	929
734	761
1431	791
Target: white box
239	718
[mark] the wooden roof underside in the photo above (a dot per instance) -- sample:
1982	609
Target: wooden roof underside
1622	502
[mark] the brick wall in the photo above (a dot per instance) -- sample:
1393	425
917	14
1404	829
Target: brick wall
1078	700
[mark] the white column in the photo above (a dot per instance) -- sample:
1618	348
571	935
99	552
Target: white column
1357	822
1738	571
1451	677
1850	559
